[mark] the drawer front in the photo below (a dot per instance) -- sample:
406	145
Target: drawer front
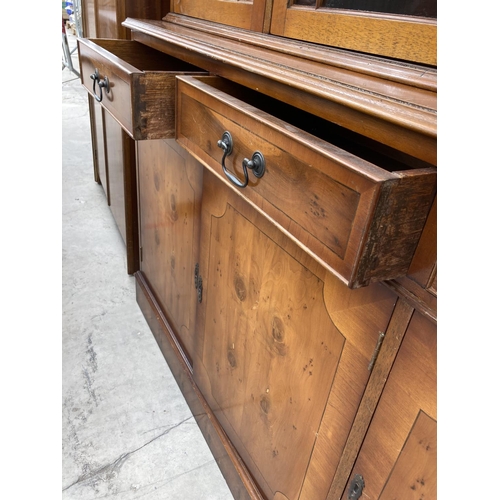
135	83
360	220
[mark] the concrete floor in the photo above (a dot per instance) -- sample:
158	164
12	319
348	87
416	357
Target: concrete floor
127	431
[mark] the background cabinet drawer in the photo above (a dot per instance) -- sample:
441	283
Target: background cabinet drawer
359	218
135	83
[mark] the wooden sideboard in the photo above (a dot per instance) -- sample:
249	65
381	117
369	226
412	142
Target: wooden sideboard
282	196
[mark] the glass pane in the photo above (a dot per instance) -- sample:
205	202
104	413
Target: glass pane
421	8
305	2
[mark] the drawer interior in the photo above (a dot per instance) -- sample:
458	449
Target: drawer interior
368	149
142	57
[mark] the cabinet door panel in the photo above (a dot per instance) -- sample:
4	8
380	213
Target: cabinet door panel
282	343
398	456
169	192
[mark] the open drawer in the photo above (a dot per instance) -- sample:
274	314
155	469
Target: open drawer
135	83
355	206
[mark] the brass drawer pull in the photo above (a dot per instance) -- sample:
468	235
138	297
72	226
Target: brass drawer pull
101	83
257	164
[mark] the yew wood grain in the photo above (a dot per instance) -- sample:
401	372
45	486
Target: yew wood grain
360	315
282	342
170	194
414	475
398	456
255	360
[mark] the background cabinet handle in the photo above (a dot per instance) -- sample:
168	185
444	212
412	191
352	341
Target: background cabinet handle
257	164
101	84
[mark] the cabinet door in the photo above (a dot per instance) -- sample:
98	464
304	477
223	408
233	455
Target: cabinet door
114	169
122	187
169	198
401	30
284	347
249	14
398	458
98	144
